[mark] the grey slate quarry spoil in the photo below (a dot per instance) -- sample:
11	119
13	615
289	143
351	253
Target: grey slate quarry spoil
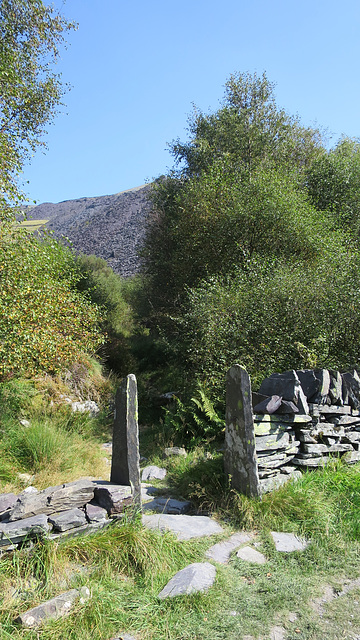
199	576
111	227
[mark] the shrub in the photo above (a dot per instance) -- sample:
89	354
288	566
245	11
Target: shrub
45	323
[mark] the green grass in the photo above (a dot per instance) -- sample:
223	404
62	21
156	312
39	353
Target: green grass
126	566
32	225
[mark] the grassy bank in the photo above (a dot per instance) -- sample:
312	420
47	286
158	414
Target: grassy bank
126	566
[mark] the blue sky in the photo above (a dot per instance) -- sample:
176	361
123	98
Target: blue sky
137	66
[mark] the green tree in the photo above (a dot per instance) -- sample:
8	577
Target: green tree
333	183
30	90
238	189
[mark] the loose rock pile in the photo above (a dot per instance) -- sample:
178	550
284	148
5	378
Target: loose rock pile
302	418
68	509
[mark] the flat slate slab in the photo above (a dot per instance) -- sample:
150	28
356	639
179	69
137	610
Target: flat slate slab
53	499
52	609
184	527
168	505
251	555
68	519
288	542
199	576
221	551
12	532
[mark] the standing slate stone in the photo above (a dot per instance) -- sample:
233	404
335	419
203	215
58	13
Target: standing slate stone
125	465
240	452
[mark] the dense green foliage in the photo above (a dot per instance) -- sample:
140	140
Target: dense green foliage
253	253
115	296
45	323
30	90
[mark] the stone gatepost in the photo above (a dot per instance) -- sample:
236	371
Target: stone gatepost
125	464
240	461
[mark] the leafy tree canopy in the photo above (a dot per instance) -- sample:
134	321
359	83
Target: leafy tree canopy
30	91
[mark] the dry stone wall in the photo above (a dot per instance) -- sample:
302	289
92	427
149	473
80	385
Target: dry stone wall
299	420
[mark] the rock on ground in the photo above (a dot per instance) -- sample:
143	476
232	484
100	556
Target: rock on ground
184	527
199	576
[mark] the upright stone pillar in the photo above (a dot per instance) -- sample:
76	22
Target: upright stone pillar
125	464
240	461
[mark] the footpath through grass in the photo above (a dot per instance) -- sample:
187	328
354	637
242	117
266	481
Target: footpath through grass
126	566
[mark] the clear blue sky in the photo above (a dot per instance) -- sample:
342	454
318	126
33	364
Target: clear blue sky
137	66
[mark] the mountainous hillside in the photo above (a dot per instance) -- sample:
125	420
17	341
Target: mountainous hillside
111	227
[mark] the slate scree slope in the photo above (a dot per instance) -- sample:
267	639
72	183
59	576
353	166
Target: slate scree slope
110	227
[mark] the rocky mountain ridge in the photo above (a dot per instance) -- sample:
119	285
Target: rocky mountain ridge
112	227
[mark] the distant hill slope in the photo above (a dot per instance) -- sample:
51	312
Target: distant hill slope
111	227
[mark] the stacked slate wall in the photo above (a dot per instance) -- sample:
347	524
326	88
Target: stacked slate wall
302	418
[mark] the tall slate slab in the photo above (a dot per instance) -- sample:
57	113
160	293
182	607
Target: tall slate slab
240	461
125	465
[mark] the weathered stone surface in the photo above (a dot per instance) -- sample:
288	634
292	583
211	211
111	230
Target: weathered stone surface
285	419
153	473
268	473
272	441
351	457
125	462
266	428
302	402
328	410
184	527
335	390
7	501
174	451
308	381
199	576
287	407
168	505
269	405
285	385
352	436
344	421
221	551
53	609
95	513
240	453
351	388
124	636
327	429
309	462
12	532
304	435
271	461
248	554
323	448
113	497
53	499
84	530
323	377
288	542
68	519
273	483
316	449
